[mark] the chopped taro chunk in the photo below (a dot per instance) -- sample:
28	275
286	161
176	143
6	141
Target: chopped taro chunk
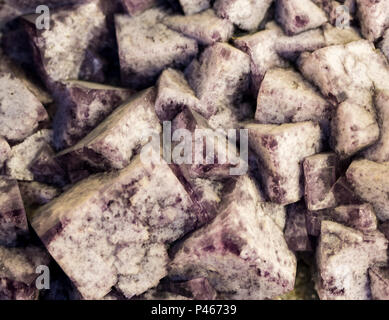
374	18
344	256
18	272
284	96
246	14
339	36
380	151
146	47
379	282
61	58
261	47
23	154
320	175
205	152
13	221
360	217
206	193
370	182
20	111
194	6
384	45
242	252
353	127
291	47
7	65
5	151
205	27
81	106
135	7
120	136
143	207
296	16
342	71
47	169
220	77
296	234
282	175
197	289
344	193
174	93
35	193
275	211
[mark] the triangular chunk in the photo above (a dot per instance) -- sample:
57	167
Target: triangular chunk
296	16
147	46
242	253
81	106
205	27
282	175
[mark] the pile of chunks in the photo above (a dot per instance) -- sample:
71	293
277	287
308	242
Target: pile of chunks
80	103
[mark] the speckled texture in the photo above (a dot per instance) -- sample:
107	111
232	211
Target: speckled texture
374	17
246	14
20	111
370	181
282	150
18	272
122	245
13	221
60	51
147	46
81	106
284	97
220	77
379	282
120	136
320	174
344	256
380	151
205	27
194	6
296	234
23	154
174	93
242	253
360	217
135	7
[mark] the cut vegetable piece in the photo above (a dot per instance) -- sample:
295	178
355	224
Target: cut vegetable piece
143	207
220	77
242	253
18	272
13	221
205	27
284	96
354	127
370	182
194	6
120	136
174	93
81	106
60	58
20	111
320	175
344	256
380	151
373	17
246	14
379	282
360	217
296	234
296	16
282	175
23	154
147	46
